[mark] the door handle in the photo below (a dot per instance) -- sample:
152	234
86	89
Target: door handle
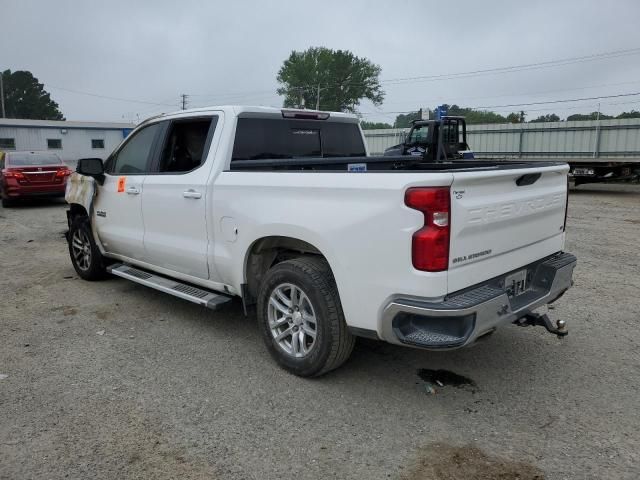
133	190
191	193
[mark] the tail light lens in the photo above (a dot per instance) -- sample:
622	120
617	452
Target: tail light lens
430	244
63	172
8	173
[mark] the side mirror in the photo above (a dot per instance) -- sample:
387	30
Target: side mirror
91	167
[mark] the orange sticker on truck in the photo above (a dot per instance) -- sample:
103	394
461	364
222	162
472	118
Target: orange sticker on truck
122	181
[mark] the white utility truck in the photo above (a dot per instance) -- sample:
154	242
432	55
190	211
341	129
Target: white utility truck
284	209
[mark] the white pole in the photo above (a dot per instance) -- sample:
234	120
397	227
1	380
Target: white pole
596	146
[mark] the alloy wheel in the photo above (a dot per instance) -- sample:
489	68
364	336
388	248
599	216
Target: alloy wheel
292	320
81	249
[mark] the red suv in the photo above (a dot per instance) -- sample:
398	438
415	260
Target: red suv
26	174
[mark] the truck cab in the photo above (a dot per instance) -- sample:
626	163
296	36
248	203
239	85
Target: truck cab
435	140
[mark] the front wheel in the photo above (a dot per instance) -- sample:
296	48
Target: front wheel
85	255
301	317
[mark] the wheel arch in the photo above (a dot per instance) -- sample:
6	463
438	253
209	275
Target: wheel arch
76	209
268	251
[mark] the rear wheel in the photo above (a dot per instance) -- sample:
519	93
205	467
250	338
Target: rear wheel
85	255
301	317
7	202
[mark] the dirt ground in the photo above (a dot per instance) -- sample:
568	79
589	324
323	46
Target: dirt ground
113	380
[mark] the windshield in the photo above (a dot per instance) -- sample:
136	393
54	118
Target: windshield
23	159
261	138
419	134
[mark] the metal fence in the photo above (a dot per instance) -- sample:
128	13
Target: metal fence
604	139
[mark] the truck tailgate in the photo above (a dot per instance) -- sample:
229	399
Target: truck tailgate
504	219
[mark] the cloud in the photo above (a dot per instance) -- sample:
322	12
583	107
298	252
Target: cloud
229	52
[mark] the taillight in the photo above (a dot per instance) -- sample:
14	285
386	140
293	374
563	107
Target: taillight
7	173
430	244
63	172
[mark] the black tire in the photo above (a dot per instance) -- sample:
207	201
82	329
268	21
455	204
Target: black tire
333	341
7	203
91	267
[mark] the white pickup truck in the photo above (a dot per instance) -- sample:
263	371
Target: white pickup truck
285	209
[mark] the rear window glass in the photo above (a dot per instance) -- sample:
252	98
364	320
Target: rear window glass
262	138
36	158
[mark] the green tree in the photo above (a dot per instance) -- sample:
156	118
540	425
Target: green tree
514	117
590	116
404	120
340	79
25	97
631	114
550	117
472	116
373	125
476	116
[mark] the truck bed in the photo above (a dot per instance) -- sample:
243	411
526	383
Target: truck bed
382	164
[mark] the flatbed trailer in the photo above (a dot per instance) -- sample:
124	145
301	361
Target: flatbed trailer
588	169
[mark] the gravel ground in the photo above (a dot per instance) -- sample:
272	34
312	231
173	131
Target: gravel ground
113	380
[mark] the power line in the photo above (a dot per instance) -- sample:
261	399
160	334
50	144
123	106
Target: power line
457	99
500	70
231	94
568	100
549	102
108	97
497	107
503	70
216	100
513	68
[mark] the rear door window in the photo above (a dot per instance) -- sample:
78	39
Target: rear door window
186	145
267	138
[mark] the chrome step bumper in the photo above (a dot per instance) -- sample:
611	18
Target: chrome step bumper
463	317
193	294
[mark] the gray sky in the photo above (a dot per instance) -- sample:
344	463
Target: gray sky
228	52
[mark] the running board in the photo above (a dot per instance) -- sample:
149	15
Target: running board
172	287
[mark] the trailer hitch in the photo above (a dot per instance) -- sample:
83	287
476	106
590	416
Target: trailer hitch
536	319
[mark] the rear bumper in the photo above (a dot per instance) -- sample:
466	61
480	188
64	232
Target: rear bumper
465	316
15	191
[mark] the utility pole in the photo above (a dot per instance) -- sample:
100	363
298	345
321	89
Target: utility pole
2	94
184	101
318	99
301	102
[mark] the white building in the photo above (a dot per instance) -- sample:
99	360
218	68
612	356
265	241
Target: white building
70	140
